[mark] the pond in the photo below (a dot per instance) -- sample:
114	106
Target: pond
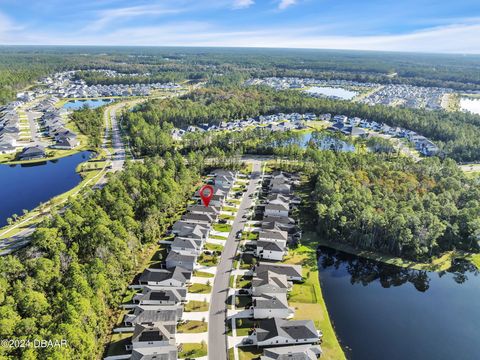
470	104
332	92
93	103
328	143
381	311
26	186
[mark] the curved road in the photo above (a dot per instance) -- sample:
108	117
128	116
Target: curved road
217	336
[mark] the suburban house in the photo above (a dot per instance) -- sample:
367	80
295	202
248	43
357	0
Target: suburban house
189	230
292	272
180	259
169	315
204	218
269	306
277	331
153	295
152	335
162	353
295	352
269	283
32	152
270	250
277	209
186	245
177	277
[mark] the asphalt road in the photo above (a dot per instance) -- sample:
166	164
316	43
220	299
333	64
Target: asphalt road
217	337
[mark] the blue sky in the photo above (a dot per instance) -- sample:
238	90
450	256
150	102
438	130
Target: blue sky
401	25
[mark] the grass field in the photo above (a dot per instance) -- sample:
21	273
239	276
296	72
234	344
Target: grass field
203	274
192	326
200	289
193	305
192	350
222	228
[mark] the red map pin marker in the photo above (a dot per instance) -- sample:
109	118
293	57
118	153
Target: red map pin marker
206	193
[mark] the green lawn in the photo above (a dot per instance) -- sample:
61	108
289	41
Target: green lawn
226	217
192	326
200	289
222	227
217	237
213	247
230	209
243	326
243	282
246	353
192	350
207	260
203	274
193	305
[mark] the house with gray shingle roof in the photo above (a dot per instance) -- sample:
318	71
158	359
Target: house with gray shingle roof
294	352
176	277
182	259
278	331
155	295
270	306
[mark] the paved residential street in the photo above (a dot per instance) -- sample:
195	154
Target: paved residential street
217	337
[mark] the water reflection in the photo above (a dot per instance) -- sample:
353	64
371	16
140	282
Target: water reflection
364	271
382	311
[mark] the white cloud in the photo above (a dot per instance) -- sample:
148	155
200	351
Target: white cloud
108	16
457	38
242	4
283	4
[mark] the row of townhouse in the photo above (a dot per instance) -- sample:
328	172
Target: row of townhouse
274	122
9	127
158	306
53	124
272	280
355	126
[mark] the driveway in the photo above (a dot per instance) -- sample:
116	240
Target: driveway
218	306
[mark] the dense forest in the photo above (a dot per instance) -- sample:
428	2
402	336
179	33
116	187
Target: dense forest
61	286
394	205
456	133
91	123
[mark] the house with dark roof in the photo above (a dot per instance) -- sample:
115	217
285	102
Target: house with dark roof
270	250
185	229
292	272
157	295
205	219
277	332
176	277
152	335
294	352
32	152
168	315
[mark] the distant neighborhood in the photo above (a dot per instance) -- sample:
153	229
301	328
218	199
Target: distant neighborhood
417	97
352	126
33	123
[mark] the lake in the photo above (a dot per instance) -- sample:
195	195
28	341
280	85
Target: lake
385	312
26	186
93	103
470	104
332	92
